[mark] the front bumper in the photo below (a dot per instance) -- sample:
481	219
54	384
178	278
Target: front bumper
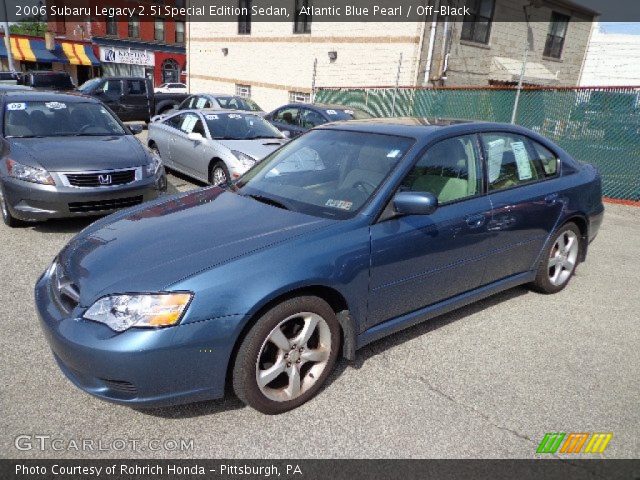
33	202
138	367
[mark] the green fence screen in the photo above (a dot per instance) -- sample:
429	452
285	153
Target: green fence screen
595	125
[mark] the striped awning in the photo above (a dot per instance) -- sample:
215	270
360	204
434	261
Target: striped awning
79	53
29	50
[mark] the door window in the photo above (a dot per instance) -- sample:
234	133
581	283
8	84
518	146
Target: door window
112	88
511	161
311	118
449	170
137	87
175	121
189	122
202	102
547	159
288	116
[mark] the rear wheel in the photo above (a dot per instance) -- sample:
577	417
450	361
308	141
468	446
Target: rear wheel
287	355
7	218
219	174
559	261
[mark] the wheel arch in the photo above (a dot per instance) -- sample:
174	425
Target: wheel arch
212	163
583	225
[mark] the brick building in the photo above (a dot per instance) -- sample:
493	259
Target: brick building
152	48
273	62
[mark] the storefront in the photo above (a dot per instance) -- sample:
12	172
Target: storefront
158	62
81	64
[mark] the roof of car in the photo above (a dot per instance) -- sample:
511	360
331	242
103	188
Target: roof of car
217	111
403	126
43	96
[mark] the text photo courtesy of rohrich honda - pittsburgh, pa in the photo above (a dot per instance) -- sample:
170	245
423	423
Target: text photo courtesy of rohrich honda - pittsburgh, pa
391	239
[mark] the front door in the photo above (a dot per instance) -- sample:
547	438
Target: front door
186	154
523	188
419	260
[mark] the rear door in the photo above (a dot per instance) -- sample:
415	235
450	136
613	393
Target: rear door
523	182
310	118
135	101
288	119
419	260
111	93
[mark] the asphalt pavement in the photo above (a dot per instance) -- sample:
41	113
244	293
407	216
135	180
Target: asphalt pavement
487	381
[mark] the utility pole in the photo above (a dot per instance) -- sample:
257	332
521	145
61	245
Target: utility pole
7	36
313	80
395	92
528	45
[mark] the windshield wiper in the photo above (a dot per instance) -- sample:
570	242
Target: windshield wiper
268	201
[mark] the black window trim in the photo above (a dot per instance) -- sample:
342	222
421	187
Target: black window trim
558	173
308	19
244	20
475	17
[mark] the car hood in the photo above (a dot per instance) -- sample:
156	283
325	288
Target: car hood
73	154
150	248
258	148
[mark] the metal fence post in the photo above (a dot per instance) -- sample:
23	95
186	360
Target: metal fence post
313	80
395	92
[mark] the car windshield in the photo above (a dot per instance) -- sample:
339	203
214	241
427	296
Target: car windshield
327	173
342	113
89	84
239	126
59	119
237	103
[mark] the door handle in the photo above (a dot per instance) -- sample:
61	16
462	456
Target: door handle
551	199
475	221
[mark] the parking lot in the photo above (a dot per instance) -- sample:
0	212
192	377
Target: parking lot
488	380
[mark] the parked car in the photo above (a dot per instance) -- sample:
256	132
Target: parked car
213	146
296	118
7	87
9	77
171	88
68	155
46	80
131	98
218	101
373	227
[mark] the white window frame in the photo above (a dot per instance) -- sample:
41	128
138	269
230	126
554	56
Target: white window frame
243	91
299	97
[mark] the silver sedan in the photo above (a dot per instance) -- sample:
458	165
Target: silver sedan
214	146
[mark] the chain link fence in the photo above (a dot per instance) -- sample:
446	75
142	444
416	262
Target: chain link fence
599	125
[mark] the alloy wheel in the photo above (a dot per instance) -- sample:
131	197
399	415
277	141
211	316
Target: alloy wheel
219	177
293	356
563	257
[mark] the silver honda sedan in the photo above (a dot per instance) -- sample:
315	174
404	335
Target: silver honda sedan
214	146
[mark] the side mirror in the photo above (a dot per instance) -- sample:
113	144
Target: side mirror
415	203
195	137
286	133
136	128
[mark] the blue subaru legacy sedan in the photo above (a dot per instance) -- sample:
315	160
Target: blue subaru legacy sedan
347	234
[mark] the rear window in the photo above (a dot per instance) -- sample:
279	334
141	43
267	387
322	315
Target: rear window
49	80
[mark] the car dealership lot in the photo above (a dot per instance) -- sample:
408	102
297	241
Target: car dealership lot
486	381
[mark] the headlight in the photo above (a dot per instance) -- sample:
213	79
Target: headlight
28	174
121	312
154	166
244	159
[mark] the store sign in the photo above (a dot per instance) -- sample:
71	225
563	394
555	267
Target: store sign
127	56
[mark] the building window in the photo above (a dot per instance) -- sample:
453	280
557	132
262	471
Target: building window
244	19
134	26
555	37
112	26
477	27
158	29
243	91
179	32
302	19
299	97
170	71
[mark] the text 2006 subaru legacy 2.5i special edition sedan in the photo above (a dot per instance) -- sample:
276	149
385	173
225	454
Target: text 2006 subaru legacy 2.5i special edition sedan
68	155
347	234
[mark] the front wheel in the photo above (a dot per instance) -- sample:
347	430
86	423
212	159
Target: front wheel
559	261
287	355
219	174
8	219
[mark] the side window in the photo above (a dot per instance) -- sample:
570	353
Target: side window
112	88
548	160
189	121
137	87
510	160
449	169
186	103
311	118
201	103
288	116
199	128
175	121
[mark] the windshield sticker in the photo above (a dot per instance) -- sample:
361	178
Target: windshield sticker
349	112
496	149
188	124
393	154
344	205
331	112
234	115
522	161
211	117
55	105
16	106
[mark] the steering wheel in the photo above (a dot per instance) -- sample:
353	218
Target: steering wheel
365	187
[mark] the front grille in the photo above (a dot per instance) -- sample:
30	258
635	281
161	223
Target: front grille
126	388
101	179
64	292
104	205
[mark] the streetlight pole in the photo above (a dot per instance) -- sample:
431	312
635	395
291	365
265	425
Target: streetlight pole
527	46
7	37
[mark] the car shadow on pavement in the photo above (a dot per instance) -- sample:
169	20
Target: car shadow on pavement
65	225
231	402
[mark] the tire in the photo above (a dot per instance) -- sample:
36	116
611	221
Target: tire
219	168
8	219
154	148
293	371
559	260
